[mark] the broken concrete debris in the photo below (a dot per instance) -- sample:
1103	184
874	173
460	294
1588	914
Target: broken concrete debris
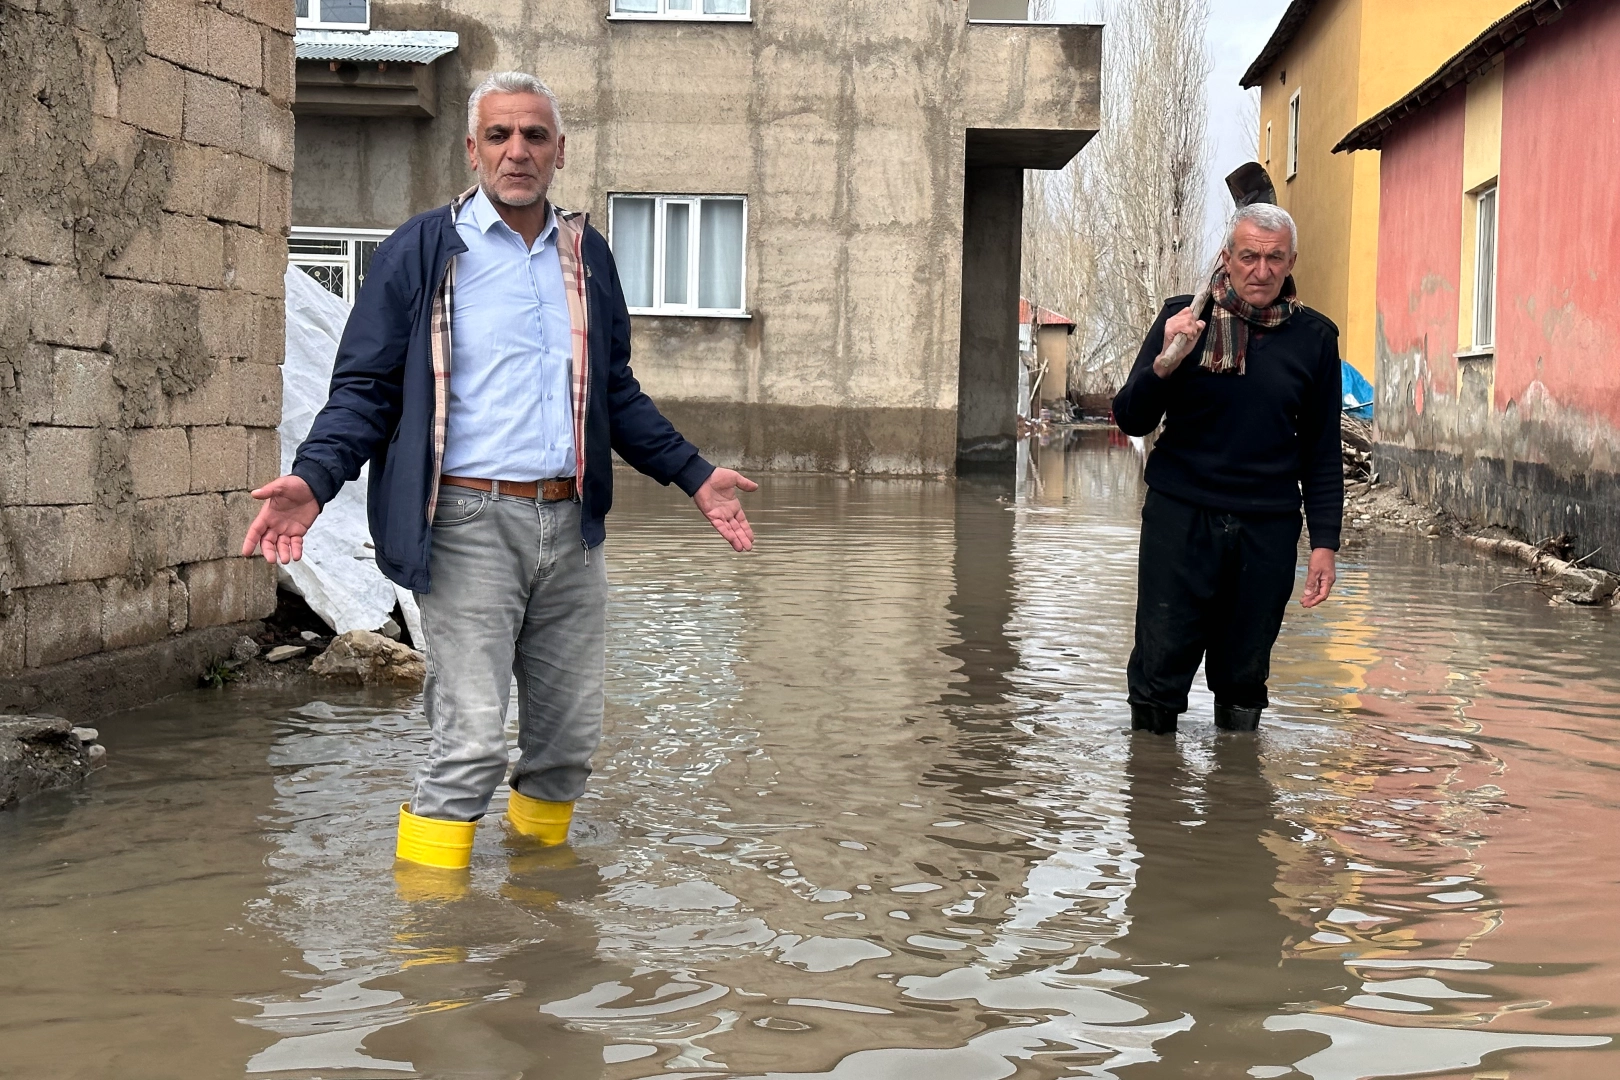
370	659
40	753
285	652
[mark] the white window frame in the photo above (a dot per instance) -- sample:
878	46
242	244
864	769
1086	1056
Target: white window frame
1486	200
1293	135
664	14
694	247
348	262
313	22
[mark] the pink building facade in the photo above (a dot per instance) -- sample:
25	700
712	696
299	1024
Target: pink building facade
1498	386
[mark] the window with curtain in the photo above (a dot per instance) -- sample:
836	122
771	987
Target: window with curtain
719	10
680	254
1485	269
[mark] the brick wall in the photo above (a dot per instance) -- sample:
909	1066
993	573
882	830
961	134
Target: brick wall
146	147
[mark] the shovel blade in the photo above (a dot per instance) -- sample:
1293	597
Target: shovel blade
1249	183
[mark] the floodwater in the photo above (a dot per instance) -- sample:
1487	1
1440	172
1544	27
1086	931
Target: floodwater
867	808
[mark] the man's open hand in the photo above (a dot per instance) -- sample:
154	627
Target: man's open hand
289	510
1319	578
718	500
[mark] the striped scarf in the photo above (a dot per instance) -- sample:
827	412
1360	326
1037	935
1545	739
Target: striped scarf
1227	343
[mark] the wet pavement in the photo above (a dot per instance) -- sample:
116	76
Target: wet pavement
867	808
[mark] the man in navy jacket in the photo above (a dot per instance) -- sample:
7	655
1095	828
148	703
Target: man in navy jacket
485	375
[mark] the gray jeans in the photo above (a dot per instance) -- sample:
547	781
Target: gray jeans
514	594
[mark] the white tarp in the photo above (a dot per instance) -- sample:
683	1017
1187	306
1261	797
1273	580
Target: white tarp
338	576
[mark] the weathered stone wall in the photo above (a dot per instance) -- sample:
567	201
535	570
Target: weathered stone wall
146	153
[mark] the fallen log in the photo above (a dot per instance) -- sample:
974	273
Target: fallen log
1578	584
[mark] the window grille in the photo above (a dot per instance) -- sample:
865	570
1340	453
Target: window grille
337	258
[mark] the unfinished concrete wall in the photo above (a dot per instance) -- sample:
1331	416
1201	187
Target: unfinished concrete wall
845	127
147	155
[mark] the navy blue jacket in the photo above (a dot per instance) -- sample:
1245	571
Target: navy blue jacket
380	408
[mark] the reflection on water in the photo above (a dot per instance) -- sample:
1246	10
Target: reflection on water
866	808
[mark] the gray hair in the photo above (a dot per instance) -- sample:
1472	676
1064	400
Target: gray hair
1267	217
509	82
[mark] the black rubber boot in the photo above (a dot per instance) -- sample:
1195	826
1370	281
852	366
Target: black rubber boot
1154	719
1236	718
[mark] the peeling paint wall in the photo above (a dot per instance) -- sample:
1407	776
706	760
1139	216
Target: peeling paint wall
1529	436
146	155
843	124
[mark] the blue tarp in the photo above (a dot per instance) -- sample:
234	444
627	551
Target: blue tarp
1358	392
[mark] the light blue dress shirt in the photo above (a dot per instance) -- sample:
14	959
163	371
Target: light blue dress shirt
509	415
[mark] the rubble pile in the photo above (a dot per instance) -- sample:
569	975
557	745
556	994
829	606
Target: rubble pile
39	753
1369	504
1355	446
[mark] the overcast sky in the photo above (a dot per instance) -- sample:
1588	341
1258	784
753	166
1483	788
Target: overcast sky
1238	30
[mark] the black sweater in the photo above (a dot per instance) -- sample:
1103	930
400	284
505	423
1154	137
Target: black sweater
1257	443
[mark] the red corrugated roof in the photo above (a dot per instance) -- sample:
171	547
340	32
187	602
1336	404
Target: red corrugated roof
1043	316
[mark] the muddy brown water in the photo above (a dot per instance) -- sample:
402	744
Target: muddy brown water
866	808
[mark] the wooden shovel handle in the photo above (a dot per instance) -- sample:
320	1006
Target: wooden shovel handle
1180	345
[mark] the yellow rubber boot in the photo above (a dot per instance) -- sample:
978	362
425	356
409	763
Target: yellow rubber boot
415	883
444	845
546	822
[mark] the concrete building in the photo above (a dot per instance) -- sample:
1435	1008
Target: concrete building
816	211
1498	395
147	149
1330	65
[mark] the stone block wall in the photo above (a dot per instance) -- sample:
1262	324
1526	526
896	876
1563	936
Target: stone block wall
146	148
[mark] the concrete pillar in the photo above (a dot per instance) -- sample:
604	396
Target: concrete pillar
987	386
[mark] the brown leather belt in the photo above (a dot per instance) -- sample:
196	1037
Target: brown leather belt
544	490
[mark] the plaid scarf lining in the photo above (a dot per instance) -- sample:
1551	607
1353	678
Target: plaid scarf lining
1226	346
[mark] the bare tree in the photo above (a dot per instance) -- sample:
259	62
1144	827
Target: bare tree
1120	229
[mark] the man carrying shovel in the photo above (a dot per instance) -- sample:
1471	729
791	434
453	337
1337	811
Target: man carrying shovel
1251	434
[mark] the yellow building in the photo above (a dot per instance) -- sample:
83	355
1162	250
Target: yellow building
1330	65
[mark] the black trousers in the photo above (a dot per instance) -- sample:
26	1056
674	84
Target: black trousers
1210	586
